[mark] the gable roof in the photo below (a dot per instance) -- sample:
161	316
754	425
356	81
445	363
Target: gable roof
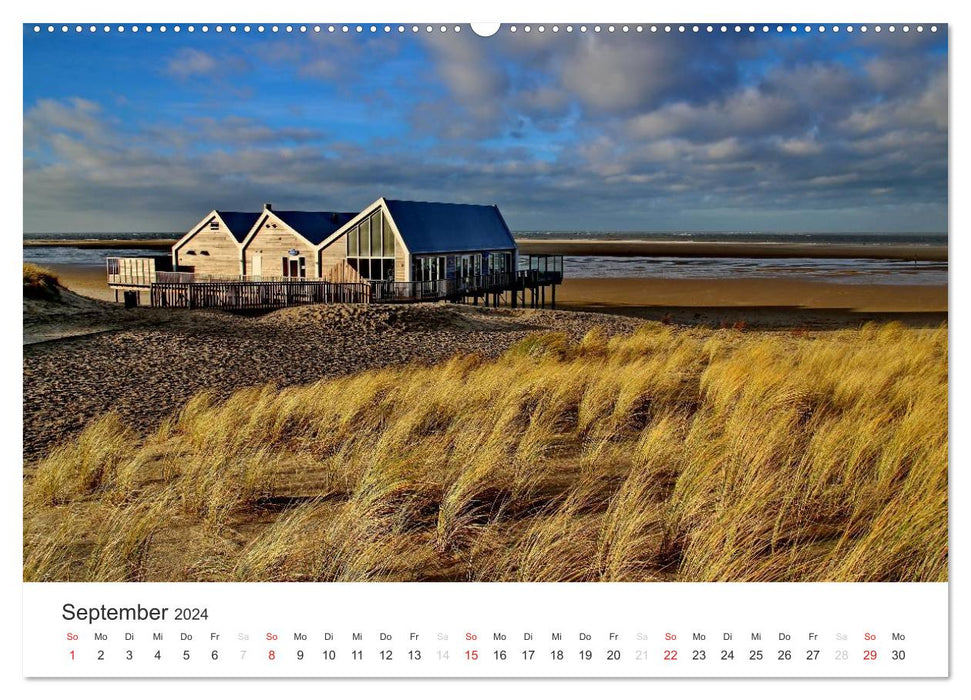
315	226
437	227
239	223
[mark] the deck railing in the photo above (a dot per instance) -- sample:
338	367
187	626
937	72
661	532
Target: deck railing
133	272
433	290
250	295
183	277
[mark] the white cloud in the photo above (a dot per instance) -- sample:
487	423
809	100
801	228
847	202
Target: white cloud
800	146
746	111
192	63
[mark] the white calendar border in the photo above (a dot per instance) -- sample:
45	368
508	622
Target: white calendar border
506	10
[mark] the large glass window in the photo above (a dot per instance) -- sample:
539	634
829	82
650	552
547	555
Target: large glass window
428	269
468	265
370	248
499	262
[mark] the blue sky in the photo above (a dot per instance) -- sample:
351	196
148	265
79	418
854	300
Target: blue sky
795	132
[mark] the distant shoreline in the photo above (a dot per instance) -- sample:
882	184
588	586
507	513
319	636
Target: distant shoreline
732	249
628	248
163	244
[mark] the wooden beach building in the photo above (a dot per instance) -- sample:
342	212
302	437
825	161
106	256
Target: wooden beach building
392	250
286	243
214	245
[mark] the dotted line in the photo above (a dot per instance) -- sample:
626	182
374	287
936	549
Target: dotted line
428	28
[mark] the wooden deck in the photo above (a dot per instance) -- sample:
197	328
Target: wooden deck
186	290
523	288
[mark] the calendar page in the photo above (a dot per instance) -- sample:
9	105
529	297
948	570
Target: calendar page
515	350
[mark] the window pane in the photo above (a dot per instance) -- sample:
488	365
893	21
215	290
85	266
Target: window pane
352	241
388	240
387	269
365	238
365	268
375	237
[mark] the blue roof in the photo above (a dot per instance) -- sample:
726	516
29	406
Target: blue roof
315	226
435	227
238	222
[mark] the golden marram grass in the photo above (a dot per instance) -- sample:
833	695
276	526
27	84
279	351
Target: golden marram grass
668	454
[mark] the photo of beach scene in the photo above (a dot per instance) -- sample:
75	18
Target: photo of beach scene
557	304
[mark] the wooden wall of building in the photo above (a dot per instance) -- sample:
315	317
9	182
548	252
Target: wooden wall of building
400	262
273	240
333	253
211	252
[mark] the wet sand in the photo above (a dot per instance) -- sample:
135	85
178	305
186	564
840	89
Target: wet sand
757	302
731	249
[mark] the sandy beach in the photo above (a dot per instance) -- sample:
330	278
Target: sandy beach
87	280
146	363
713	302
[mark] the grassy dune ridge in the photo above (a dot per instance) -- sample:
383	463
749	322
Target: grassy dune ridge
40	283
668	454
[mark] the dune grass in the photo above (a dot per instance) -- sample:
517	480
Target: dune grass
40	283
669	454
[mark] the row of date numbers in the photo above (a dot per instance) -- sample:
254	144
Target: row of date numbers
669	655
